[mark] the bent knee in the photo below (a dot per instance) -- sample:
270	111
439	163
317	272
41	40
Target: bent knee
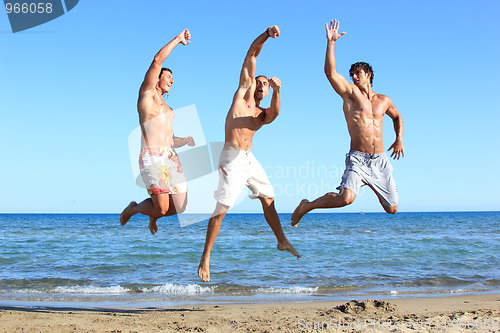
391	210
346	197
181	209
267	202
180	204
348	200
161	209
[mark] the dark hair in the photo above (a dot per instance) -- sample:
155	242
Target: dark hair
164	69
262	76
364	66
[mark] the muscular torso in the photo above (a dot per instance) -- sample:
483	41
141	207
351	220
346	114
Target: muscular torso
242	121
155	118
364	120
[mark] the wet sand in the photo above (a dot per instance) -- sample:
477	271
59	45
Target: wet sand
475	313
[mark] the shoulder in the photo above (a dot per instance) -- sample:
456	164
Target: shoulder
355	91
144	98
147	101
146	93
244	94
383	99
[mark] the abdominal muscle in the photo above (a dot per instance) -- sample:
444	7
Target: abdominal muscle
158	132
238	139
365	132
240	129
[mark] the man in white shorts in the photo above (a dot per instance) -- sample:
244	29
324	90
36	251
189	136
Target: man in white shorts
366	162
237	165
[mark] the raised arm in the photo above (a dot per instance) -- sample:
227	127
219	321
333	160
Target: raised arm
154	70
398	151
274	110
338	82
247	75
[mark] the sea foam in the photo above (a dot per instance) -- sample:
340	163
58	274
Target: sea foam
172	288
290	290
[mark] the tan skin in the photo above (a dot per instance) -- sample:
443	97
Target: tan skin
244	118
155	119
364	111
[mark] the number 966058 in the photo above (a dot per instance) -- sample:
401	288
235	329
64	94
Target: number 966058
28	8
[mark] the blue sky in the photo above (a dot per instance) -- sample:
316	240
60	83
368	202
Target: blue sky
68	93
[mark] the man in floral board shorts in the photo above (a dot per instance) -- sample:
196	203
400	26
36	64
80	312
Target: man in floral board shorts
160	167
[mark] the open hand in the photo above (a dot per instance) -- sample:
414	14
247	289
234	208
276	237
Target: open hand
273	31
185	36
332	32
398	150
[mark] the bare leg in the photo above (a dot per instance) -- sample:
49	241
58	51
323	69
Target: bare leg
127	213
157	206
389	210
212	230
177	205
153	227
329	200
273	220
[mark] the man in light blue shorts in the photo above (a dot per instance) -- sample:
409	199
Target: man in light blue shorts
373	170
366	162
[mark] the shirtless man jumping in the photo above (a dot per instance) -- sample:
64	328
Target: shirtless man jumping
366	162
237	165
160	167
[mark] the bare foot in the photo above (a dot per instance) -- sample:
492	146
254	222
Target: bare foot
203	270
286	246
298	213
127	213
152	225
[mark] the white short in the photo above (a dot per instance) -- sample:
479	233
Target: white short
238	168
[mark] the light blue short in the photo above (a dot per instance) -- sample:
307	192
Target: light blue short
373	170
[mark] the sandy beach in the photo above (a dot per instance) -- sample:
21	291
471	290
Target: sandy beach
478	313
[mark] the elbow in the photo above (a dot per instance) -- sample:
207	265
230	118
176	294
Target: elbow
157	63
251	57
329	73
157	59
253	52
276	114
399	121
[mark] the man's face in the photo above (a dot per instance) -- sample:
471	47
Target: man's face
261	88
360	77
166	81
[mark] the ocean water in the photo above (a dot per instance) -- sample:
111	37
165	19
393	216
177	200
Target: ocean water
91	260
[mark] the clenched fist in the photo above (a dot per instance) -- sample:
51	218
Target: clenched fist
273	31
275	83
185	36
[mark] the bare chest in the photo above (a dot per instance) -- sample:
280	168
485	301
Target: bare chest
249	118
154	107
364	110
